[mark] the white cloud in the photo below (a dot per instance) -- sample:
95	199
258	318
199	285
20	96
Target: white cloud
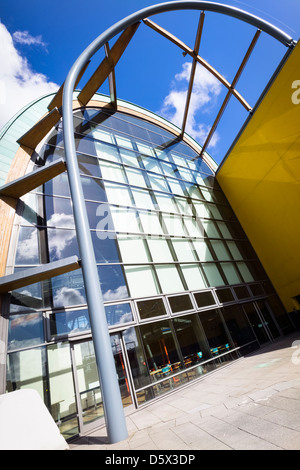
23	37
19	84
206	89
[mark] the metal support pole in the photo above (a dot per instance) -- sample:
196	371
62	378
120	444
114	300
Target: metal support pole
114	413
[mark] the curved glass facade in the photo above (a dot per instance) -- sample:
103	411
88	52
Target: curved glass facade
183	289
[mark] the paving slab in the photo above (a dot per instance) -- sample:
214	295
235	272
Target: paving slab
252	404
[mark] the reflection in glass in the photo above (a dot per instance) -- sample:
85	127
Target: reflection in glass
70	321
215	332
193	345
160	349
238	325
151	308
93	189
62	244
119	313
113	284
138	362
59	212
25	330
105	247
180	303
66	289
88	165
28	246
204	299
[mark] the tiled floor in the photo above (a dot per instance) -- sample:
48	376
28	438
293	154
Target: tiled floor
252	404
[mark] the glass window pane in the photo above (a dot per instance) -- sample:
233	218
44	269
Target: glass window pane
25	330
100	134
141	281
193	276
27	369
99	216
135	177
191	339
176	187
117	194
107	152
66	289
210	229
215	332
58	186
194	229
169	278
62	393
204	299
62	244
174	224
234	250
68	322
220	250
166	202
28	246
132	249
224	295
124	142
151	164
113	284
238	325
158	182
183	249
142	198
202	250
105	247
241	292
93	189
159	250
129	158
112	171
180	303
246	274
125	220
59	212
120	313
201	209
145	149
213	275
184	207
88	165
150	222
169	169
231	273
154	335
151	308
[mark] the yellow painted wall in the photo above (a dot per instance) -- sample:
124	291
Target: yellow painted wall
261	179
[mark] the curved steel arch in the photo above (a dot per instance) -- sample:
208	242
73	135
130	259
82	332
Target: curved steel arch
114	414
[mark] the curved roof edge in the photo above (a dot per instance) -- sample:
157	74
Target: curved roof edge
27	117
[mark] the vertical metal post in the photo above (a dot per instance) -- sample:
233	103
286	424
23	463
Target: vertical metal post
113	408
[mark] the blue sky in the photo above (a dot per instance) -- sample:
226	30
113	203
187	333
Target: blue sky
39	41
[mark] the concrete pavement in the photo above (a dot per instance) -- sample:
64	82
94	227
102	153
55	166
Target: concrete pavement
253	404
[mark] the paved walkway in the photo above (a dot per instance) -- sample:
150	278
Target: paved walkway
253	404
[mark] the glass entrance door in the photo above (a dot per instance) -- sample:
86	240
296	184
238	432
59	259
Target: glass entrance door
88	389
261	321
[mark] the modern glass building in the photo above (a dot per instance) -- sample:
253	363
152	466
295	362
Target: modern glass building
184	291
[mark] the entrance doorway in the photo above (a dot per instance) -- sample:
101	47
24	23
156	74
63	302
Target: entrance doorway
261	321
87	387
